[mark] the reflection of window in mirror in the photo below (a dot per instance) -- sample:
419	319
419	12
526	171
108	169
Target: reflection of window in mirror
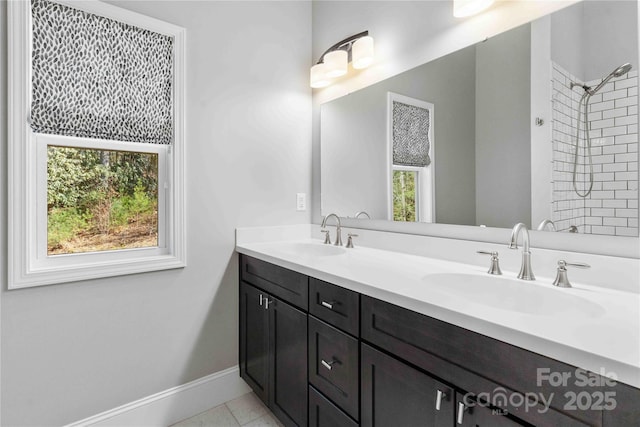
410	144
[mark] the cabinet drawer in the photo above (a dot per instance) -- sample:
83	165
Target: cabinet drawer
288	285
333	365
323	413
335	305
473	362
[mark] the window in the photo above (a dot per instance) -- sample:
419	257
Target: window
411	172
406	194
95	168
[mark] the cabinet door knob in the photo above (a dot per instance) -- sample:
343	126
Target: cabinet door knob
439	396
328	304
461	409
328	365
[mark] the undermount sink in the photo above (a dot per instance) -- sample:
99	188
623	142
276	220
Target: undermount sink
309	249
511	294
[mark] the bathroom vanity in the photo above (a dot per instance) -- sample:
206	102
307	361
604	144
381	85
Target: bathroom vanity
328	354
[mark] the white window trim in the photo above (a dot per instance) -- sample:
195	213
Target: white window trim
425	181
27	268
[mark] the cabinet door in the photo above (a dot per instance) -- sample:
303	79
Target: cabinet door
288	349
395	394
254	340
323	413
470	415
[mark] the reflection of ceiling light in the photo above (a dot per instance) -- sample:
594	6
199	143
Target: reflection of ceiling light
334	62
464	8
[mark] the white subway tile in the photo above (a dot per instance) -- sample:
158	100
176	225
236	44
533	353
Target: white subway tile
593	220
606	158
626	120
603	212
624	83
599	106
626	194
603	230
616	222
630	213
623	102
606	114
590	203
614	185
627	157
627	231
599	124
616	94
626	139
614	149
626	176
614	131
614	204
614	167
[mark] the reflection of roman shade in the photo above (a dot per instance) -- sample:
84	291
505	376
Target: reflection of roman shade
94	77
410	135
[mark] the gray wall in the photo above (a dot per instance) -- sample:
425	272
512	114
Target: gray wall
503	129
73	350
592	38
355	156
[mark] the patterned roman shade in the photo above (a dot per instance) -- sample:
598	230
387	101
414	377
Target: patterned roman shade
94	77
410	135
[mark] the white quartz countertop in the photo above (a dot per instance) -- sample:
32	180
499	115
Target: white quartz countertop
589	327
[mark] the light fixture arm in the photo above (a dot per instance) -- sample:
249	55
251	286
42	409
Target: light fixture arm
345	44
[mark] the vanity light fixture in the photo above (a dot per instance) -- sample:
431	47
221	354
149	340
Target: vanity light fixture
464	8
334	62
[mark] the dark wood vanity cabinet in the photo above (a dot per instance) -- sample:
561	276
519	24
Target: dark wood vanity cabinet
355	360
273	352
394	393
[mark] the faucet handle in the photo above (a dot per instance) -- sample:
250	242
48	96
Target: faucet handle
562	280
495	262
350	237
327	238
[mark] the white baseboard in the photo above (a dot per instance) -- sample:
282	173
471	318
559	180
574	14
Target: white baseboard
172	405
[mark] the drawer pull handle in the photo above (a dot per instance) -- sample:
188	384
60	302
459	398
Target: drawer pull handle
439	396
329	304
461	409
329	365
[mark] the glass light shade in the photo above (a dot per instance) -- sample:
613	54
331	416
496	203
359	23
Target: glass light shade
464	8
336	63
362	52
318	76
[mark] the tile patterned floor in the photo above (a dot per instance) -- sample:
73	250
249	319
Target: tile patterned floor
246	411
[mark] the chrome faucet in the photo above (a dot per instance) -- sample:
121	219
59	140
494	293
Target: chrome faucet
547	223
338	228
363	213
526	273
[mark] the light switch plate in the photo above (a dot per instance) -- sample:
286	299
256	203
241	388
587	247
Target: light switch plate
301	201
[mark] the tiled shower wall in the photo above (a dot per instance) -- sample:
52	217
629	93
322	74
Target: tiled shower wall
612	206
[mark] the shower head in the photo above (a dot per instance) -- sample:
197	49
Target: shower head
621	70
618	72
